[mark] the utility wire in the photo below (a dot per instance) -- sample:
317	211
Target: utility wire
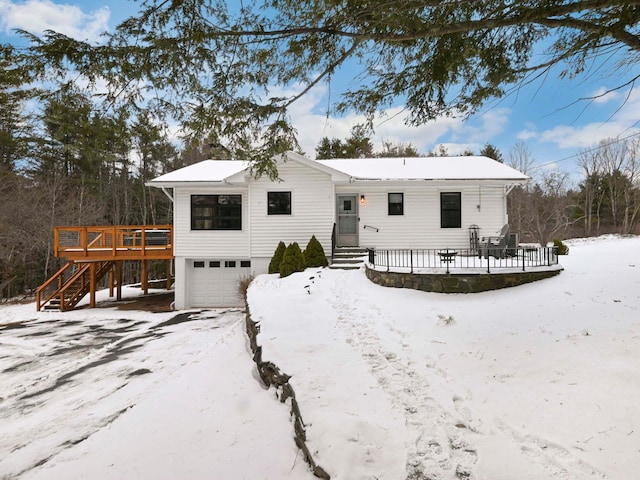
589	150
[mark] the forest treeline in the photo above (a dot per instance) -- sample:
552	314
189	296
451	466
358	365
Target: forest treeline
66	158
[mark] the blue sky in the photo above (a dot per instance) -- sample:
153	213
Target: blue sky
544	115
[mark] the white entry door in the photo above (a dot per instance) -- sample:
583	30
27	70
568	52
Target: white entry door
347	221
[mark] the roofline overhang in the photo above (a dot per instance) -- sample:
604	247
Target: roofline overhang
476	181
216	183
336	175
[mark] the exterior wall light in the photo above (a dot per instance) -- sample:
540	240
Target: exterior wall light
362	199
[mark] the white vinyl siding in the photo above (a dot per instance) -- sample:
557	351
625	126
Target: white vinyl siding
312	210
419	227
209	243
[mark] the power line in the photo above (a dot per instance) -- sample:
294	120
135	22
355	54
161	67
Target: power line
589	150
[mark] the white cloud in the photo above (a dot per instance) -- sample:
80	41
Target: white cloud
526	134
620	123
36	16
602	96
390	126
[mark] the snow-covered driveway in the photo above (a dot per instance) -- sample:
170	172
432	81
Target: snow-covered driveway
110	394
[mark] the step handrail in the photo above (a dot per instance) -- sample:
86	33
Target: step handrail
84	287
79	294
78	275
39	302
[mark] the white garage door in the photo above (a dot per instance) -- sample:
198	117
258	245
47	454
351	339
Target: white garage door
214	283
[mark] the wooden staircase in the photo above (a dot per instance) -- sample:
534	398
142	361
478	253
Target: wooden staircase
70	284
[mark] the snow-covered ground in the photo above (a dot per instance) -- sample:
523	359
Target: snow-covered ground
534	382
111	394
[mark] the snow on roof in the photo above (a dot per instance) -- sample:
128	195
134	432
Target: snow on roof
425	168
415	168
205	171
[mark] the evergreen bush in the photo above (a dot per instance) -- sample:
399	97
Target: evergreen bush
292	261
314	254
561	247
276	260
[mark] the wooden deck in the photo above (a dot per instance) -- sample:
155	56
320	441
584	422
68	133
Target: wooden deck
131	242
95	252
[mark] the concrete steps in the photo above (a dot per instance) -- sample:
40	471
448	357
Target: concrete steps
349	258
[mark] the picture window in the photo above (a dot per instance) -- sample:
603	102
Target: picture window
216	212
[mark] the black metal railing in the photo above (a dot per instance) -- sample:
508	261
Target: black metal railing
371	227
333	241
463	259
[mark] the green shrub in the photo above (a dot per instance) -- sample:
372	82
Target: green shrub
314	254
292	261
276	260
562	248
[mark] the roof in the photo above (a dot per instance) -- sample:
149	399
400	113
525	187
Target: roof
425	168
390	169
205	171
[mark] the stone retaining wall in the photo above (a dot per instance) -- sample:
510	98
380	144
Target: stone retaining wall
272	376
457	282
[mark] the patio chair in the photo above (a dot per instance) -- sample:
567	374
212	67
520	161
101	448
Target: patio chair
495	246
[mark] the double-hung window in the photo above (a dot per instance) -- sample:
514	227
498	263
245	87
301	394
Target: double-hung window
396	204
450	210
278	203
216	212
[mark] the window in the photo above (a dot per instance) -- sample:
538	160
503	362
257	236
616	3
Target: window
214	264
245	263
198	264
278	203
396	204
450	210
216	212
230	264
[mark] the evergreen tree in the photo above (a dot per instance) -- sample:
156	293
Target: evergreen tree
396	150
439	58
292	260
276	260
314	254
492	151
17	137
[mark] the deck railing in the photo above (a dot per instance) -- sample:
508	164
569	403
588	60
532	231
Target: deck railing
119	242
448	259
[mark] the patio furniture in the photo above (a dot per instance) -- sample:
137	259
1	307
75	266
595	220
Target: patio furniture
447	256
474	238
495	246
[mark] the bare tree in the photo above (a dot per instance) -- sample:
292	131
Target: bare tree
548	208
520	158
608	194
591	190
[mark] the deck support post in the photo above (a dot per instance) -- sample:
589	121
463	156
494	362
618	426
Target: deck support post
168	275
111	281
143	280
92	285
119	280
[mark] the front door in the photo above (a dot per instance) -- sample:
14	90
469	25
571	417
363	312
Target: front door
347	221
